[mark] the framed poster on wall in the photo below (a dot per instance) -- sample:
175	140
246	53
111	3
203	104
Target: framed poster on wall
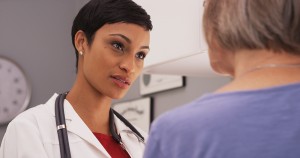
152	83
139	112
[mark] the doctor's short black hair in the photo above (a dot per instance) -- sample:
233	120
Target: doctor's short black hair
97	13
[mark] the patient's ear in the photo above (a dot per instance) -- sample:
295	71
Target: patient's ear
221	60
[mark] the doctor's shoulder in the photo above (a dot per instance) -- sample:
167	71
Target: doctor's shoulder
24	134
30	116
25	124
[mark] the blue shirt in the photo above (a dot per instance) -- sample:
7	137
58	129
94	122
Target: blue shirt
262	123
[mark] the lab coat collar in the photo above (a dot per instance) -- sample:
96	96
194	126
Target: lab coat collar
76	125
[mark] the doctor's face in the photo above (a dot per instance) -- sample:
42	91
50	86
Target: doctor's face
115	58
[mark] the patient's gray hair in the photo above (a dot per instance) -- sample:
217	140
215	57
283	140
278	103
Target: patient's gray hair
253	24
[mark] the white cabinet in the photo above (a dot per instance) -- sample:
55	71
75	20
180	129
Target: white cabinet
177	43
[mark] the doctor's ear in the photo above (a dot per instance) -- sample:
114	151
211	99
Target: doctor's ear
80	41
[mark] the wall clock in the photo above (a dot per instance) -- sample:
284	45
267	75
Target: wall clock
15	91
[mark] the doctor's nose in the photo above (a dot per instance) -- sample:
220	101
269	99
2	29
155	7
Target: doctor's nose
128	65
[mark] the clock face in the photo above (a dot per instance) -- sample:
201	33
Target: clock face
15	91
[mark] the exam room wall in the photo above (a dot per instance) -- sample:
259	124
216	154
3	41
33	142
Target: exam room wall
36	34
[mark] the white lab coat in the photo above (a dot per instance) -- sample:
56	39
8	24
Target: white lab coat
33	134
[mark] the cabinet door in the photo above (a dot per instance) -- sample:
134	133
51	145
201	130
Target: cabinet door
177	29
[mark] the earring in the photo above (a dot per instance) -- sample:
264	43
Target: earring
81	53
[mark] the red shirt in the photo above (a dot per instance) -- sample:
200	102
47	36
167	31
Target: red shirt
111	146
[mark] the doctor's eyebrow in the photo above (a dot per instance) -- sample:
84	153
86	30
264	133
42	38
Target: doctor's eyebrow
145	47
128	40
122	36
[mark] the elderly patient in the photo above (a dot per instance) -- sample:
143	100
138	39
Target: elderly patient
257	114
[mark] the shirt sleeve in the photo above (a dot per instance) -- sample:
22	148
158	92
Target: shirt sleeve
22	140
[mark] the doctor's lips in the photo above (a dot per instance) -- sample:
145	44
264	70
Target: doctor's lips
121	82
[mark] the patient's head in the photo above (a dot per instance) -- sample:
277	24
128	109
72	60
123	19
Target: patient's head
235	25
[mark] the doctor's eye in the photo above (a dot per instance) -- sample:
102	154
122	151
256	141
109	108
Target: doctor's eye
140	55
118	45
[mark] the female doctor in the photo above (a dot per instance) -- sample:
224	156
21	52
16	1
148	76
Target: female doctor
111	40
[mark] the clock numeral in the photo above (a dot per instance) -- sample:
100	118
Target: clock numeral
5	110
15	102
9	70
19	91
16	80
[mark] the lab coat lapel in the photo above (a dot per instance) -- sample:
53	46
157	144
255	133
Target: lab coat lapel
76	125
131	142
